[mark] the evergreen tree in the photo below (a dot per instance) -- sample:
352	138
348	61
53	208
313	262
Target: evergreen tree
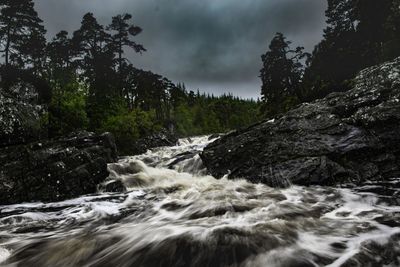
21	34
96	58
177	94
360	33
152	93
128	74
371	19
281	75
61	68
123	32
59	50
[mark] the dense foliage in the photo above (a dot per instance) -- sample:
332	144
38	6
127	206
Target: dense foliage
91	85
359	34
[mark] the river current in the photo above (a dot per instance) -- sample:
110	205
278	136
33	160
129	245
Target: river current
173	214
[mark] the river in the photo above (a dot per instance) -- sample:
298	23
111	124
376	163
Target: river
173	214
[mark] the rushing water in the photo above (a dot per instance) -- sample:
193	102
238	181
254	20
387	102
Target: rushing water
174	215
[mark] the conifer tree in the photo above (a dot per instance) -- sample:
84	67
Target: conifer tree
359	34
122	32
22	38
281	75
96	59
61	68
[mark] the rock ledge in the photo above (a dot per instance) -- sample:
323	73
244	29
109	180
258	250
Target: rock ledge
346	137
55	170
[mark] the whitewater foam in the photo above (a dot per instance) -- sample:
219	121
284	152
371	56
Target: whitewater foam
174	215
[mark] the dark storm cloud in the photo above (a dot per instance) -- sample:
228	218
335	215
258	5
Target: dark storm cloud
214	45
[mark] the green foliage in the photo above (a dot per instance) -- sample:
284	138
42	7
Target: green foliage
128	127
183	117
205	114
67	113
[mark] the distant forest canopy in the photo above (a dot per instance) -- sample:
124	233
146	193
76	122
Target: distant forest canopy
86	81
359	34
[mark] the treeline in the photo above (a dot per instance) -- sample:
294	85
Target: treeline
359	34
86	81
195	113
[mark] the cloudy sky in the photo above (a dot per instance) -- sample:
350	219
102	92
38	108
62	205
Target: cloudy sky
213	45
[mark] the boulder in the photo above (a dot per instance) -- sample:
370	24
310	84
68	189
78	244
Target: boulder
347	137
55	170
159	139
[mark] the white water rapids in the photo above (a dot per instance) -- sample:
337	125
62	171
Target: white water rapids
174	215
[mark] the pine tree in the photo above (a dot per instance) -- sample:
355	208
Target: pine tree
371	17
123	31
21	34
360	33
177	94
281	75
61	69
59	50
96	59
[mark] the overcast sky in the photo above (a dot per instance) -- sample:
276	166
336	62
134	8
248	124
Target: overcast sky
211	45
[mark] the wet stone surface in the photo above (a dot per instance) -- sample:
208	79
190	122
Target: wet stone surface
349	137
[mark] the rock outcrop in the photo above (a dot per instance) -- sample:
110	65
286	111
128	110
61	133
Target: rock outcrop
159	139
56	169
347	137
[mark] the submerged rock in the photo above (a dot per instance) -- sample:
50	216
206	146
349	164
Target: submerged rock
55	170
346	137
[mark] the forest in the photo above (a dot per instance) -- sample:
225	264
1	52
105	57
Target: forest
85	81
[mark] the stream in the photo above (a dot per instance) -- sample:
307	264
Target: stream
174	214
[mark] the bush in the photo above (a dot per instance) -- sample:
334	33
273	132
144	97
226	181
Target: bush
67	113
129	127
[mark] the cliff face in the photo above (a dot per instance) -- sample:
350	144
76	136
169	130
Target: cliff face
346	137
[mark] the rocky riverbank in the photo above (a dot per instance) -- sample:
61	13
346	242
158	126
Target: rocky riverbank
55	170
347	137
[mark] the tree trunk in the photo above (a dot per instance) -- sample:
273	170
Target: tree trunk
7	48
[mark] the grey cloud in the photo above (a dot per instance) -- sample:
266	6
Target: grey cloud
214	45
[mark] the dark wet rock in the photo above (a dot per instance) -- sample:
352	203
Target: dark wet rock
372	253
181	157
113	186
215	136
391	220
55	170
160	139
346	137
